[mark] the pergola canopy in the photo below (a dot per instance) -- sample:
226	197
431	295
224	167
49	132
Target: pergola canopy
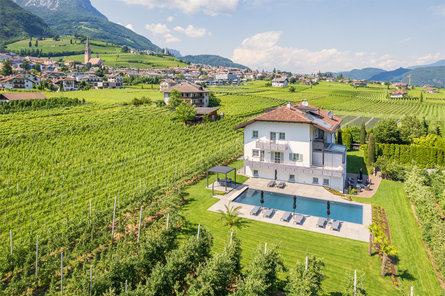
221	169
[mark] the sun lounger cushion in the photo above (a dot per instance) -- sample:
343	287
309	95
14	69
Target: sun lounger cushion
286	216
321	222
255	211
269	213
336	225
298	219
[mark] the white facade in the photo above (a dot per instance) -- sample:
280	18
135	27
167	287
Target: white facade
294	152
196	99
280	83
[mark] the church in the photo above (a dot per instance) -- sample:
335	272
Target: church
88	59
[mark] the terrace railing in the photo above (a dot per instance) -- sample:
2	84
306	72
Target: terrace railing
271	145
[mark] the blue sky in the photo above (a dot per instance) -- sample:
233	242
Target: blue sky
301	36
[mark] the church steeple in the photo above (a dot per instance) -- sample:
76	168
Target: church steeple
87	51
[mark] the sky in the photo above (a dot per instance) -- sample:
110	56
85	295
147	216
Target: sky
301	36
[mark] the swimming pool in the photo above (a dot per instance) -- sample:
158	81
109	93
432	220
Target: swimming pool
309	206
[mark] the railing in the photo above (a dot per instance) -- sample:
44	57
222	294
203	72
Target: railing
295	168
271	145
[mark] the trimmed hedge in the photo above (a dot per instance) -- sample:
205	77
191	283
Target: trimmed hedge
425	157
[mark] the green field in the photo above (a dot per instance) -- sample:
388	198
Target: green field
55	162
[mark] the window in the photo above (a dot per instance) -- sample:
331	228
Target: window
255	153
255	173
295	157
255	134
326	182
273	136
314	180
291	178
282	136
277	157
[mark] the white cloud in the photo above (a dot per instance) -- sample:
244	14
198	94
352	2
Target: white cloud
170	18
262	51
192	32
211	7
438	10
130	26
160	29
169	38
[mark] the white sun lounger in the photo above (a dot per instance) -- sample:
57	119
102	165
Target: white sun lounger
255	211
322	222
298	219
336	225
286	216
269	213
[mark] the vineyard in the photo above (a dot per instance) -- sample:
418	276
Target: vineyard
93	186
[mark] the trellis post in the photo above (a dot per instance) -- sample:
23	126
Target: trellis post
139	227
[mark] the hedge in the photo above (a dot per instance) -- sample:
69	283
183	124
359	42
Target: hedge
425	157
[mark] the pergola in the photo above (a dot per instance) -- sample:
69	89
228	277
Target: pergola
219	169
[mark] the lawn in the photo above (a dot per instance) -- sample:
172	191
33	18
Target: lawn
340	255
355	162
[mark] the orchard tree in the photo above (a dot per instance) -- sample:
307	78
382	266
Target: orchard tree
306	282
359	288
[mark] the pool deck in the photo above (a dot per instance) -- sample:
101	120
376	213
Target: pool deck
347	230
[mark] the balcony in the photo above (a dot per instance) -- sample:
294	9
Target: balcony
293	167
271	145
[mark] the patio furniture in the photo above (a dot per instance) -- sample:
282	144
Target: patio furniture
336	225
255	211
286	216
269	213
281	185
299	219
322	222
271	184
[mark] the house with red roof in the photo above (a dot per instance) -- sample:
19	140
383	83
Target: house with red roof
191	93
399	94
295	143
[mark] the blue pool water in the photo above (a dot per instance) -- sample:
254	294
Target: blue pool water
309	206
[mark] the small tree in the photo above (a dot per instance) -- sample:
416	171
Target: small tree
421	97
185	112
37	43
292	89
347	139
175	98
339	138
231	217
371	150
349	288
7	68
387	250
306	282
30	43
363	134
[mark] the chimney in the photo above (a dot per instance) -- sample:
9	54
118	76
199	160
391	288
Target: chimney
304	103
288	105
331	114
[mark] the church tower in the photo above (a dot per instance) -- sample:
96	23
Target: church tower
87	52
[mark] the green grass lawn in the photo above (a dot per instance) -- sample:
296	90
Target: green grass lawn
355	162
341	255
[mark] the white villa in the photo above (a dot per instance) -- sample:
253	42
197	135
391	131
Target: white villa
280	82
295	143
191	93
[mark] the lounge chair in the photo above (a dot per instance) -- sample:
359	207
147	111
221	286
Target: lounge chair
299	219
322	222
286	216
269	213
281	185
271	184
255	211
336	225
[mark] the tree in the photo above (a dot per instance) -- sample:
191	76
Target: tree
363	134
175	99
30	43
386	131
421	97
185	112
292	89
37	43
231	217
306	282
371	150
349	288
347	138
213	100
387	251
25	66
410	128
339	138
375	233
125	49
7	68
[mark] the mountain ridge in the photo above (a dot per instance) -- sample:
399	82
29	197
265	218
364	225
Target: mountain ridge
212	60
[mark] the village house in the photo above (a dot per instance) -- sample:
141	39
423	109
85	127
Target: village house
167	83
226	78
399	94
401	85
295	143
66	84
116	79
16	82
206	112
10	97
430	90
280	82
360	83
190	93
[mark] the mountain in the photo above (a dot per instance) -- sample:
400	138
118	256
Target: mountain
390	75
17	23
174	52
360	74
439	63
69	17
212	60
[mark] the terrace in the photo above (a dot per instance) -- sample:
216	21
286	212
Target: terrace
348	230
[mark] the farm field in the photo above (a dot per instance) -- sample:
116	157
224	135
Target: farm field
63	45
59	165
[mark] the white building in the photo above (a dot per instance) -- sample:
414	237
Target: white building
280	82
295	143
190	93
16	82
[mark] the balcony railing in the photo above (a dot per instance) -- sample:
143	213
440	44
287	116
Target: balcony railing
295	168
271	145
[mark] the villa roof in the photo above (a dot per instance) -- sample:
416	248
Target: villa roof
280	79
187	87
205	110
299	113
